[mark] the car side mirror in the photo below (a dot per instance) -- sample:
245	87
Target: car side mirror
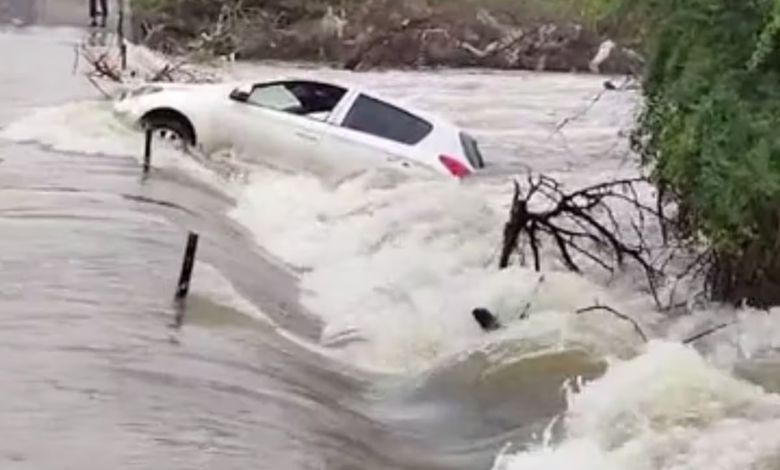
240	94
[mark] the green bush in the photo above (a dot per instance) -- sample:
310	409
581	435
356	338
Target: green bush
710	128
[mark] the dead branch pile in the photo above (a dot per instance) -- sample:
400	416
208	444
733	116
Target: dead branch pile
378	33
104	66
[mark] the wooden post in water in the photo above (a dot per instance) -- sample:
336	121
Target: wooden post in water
148	149
187	264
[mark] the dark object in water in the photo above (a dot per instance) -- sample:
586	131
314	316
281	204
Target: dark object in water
148	149
608	85
187	264
487	321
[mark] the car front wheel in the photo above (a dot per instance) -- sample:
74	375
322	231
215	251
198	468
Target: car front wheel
171	131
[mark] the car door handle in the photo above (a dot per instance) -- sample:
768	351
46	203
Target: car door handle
307	136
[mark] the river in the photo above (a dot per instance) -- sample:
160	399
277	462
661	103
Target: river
329	327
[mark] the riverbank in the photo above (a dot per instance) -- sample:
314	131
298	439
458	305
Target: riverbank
369	34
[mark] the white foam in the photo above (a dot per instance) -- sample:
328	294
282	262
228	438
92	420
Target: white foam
398	269
89	127
666	409
81	126
395	267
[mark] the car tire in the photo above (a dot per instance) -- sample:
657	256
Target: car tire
170	129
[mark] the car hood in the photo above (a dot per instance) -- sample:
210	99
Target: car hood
140	89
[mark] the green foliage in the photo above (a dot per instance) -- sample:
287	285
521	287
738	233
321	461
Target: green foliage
710	129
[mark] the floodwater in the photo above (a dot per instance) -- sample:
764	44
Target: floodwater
328	327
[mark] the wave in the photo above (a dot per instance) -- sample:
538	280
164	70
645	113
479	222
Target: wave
666	409
395	270
395	266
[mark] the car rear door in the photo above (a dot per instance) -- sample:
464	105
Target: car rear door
374	133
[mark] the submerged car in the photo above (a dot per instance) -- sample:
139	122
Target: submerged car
302	124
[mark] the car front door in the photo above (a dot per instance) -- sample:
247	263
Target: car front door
268	126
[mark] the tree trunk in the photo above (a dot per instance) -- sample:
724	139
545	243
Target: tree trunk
752	275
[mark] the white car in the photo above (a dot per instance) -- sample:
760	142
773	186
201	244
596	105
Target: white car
301	124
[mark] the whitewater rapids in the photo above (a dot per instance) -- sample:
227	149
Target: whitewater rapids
393	268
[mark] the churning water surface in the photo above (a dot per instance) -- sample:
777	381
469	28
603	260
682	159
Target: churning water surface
329	325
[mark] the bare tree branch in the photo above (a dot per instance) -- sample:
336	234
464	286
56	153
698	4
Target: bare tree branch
707	332
582	223
611	310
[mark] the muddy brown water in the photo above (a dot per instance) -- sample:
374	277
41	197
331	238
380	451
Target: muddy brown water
92	374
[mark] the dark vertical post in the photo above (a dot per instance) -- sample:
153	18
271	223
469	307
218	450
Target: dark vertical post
120	32
148	150
187	265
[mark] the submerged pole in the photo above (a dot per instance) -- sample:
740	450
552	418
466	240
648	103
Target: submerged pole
187	264
148	150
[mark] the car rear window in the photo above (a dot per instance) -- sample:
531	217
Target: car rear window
383	120
471	149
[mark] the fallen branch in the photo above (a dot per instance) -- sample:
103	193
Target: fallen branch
611	310
105	68
707	332
101	68
607	87
581	224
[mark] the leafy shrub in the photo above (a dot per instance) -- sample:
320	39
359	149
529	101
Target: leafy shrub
710	129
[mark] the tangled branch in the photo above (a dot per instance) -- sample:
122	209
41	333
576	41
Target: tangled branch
582	225
103	66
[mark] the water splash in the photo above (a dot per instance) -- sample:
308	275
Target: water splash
665	409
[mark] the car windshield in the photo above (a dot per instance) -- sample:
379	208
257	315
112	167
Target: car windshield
309	99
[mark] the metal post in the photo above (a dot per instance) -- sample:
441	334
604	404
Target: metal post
148	150
187	265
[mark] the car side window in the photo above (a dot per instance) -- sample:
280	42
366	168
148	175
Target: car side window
276	96
303	98
377	118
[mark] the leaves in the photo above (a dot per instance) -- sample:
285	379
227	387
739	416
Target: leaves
709	129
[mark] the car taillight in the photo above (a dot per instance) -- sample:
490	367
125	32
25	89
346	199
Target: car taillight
456	168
